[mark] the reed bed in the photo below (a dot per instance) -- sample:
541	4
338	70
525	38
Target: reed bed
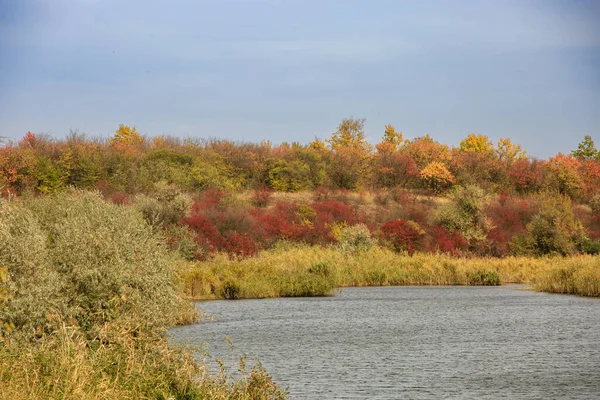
300	270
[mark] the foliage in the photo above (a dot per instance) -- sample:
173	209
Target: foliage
465	213
356	238
564	170
350	133
509	152
391	141
553	230
166	205
586	150
126	135
437	177
526	176
262	197
87	292
403	235
424	150
477	143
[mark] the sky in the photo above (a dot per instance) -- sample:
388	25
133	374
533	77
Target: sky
291	70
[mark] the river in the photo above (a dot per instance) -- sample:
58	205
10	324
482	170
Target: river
415	342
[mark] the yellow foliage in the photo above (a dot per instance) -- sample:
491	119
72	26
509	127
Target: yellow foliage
509	152
126	135
391	136
437	176
350	134
337	229
318	145
477	143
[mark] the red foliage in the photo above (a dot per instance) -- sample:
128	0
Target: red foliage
590	174
335	211
227	229
402	196
509	216
28	140
280	222
447	242
242	244
402	235
210	198
526	176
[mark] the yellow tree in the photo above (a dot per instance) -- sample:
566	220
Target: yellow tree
477	143
424	150
350	133
350	154
126	135
509	152
437	177
391	140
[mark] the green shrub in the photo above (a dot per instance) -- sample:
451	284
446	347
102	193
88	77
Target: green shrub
167	205
31	285
356	238
554	230
465	213
90	261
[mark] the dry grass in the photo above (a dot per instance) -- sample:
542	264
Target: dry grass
274	272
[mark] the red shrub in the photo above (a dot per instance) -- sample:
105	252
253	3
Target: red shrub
509	216
335	211
526	176
242	244
281	222
447	242
402	196
402	235
206	231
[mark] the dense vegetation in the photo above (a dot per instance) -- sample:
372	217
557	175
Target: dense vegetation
87	291
414	195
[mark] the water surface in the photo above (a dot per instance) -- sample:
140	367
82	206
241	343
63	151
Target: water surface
415	342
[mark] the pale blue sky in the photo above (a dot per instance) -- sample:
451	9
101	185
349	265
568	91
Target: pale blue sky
290	70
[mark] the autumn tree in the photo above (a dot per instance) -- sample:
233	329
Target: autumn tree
509	152
391	141
390	167
553	230
586	150
126	135
350	134
477	143
526	176
437	177
350	159
424	150
564	174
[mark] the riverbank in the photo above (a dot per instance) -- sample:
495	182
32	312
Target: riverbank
300	270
